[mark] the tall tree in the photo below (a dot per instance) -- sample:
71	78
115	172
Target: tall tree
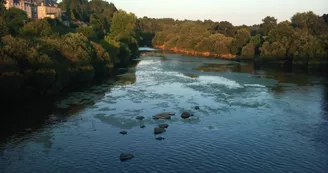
311	22
123	29
225	28
268	24
325	17
15	19
240	40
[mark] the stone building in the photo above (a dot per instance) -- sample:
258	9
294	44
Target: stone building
36	9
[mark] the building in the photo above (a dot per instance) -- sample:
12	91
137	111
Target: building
36	9
48	10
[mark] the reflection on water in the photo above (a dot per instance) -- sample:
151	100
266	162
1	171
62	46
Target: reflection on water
251	119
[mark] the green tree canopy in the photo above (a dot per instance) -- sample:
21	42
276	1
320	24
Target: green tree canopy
311	22
268	24
38	28
15	19
240	40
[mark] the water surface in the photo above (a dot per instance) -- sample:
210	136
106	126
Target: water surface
250	120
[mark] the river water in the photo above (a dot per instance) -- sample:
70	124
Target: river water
250	120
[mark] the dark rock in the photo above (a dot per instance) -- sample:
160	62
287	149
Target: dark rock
197	107
160	138
28	130
124	132
140	117
53	119
142	126
186	115
163	126
126	156
159	130
164	115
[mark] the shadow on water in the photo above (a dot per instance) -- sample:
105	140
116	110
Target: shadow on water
22	117
283	73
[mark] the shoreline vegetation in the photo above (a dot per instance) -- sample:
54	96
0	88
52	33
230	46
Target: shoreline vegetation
302	40
43	57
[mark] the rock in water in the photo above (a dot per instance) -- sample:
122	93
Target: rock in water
140	117
197	107
53	119
142	126
163	126
159	130
28	130
124	132
164	115
160	138
126	156
185	115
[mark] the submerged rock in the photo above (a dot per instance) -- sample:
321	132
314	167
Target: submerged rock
163	126
142	126
160	138
124	132
186	115
197	107
140	117
159	130
126	156
164	115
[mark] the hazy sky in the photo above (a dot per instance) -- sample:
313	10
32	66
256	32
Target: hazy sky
236	11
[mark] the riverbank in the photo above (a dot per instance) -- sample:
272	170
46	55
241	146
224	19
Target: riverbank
195	53
312	63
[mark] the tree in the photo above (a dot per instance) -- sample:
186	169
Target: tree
325	18
102	8
309	21
225	28
204	46
100	25
248	51
3	28
257	42
274	50
123	23
268	24
2	7
15	19
86	31
123	29
38	28
240	40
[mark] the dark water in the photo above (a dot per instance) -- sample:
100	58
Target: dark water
250	120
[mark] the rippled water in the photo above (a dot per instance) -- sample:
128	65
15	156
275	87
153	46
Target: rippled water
249	121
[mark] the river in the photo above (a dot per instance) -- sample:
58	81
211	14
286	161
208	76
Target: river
250	120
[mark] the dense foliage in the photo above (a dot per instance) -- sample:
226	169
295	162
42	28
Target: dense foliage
45	56
304	38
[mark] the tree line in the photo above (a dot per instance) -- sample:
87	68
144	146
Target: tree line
302	39
45	56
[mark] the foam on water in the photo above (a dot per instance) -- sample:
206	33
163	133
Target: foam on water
218	80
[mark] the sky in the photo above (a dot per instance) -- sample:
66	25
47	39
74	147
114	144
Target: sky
237	12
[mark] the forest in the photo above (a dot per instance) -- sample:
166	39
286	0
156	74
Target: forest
303	39
45	56
42	57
